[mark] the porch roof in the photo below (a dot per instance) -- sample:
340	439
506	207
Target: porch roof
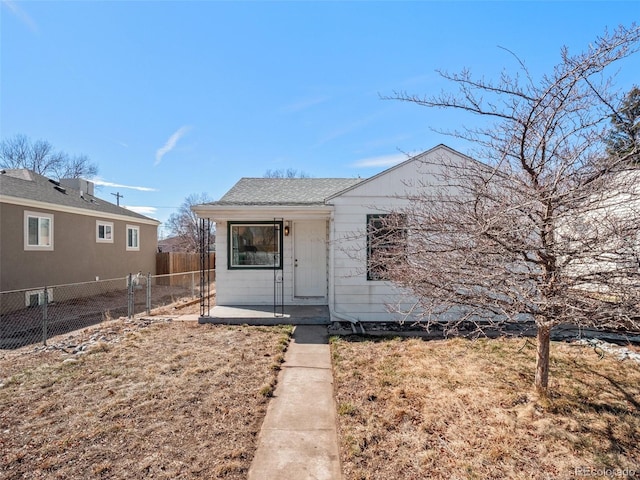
284	191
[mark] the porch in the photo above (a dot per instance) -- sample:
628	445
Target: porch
265	315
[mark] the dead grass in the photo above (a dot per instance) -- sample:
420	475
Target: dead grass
464	409
172	400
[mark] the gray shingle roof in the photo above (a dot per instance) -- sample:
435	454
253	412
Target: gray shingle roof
284	191
26	184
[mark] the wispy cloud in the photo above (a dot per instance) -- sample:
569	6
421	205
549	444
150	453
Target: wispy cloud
21	14
385	142
304	104
381	161
347	129
99	181
419	79
149	211
171	143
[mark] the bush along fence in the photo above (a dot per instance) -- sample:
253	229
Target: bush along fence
34	315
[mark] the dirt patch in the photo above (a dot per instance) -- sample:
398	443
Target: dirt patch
414	409
143	399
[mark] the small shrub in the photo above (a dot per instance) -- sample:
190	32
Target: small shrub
347	409
267	390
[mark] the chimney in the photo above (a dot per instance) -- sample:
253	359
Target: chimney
85	186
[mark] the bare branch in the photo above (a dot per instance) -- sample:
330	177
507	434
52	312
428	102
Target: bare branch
184	224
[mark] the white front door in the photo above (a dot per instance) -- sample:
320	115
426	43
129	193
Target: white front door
310	259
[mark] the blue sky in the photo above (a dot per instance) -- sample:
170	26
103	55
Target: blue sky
175	98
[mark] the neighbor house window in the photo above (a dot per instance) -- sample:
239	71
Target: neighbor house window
255	245
104	232
38	231
34	298
133	237
386	241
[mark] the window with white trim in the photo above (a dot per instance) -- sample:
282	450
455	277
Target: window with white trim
34	298
104	232
133	237
38	231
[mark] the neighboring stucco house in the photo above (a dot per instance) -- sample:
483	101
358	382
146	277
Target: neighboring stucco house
54	233
304	240
171	244
180	244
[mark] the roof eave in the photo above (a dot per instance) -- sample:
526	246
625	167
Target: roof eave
256	212
55	207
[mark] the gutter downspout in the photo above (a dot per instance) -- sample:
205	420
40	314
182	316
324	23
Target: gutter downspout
332	283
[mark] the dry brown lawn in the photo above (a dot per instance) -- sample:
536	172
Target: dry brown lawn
463	409
166	400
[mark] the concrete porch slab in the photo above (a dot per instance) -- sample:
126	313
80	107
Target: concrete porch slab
264	315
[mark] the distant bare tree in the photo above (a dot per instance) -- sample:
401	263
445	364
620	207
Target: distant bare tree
547	228
40	156
184	223
624	138
288	173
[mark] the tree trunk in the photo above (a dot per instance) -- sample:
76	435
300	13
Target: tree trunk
542	360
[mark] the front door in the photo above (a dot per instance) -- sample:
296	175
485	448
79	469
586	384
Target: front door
310	259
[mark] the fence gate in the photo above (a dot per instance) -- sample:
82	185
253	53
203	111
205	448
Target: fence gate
204	236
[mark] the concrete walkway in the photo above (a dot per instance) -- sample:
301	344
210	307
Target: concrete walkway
299	439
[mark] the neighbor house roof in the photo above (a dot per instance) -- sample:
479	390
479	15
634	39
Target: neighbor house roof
24	186
284	191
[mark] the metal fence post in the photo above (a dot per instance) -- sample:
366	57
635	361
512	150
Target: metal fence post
44	316
149	293
193	284
130	301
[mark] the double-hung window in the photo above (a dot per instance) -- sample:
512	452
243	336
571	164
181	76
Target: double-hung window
104	232
255	245
386	243
38	231
133	237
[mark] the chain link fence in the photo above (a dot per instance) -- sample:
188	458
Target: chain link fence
34	315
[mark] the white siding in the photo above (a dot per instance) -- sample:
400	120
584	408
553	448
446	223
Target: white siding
254	287
353	295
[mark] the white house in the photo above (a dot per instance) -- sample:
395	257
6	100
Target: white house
303	241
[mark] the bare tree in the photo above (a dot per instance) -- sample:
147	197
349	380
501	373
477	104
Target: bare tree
184	223
40	156
288	173
546	227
